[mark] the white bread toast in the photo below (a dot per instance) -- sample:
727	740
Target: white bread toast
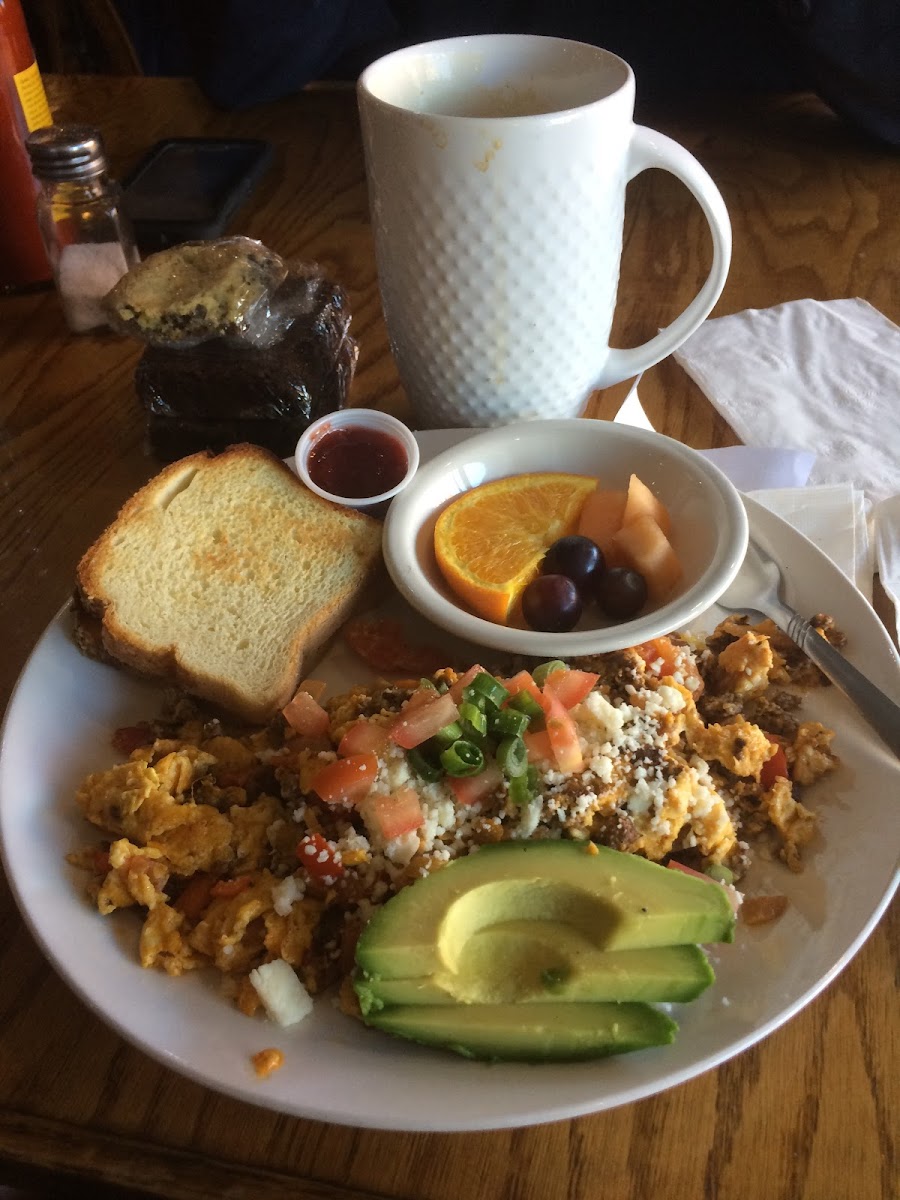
225	575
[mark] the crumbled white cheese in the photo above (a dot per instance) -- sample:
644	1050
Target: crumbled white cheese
401	849
601	720
285	893
283	996
671	698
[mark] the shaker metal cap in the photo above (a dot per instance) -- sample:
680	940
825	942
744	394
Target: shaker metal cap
67	152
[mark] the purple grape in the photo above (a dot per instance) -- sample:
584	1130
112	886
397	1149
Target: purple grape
551	603
621	593
576	557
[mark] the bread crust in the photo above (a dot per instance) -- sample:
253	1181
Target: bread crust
231	554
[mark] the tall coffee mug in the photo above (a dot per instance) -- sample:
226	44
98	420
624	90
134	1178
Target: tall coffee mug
497	167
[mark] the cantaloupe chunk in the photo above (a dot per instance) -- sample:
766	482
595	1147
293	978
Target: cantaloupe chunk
647	549
600	519
641	500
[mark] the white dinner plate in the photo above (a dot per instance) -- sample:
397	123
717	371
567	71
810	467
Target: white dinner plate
57	729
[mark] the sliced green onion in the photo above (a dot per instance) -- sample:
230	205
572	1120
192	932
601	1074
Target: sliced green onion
520	790
473	717
462	758
539	674
424	767
487	686
427	685
512	757
509	723
448	735
720	873
524	702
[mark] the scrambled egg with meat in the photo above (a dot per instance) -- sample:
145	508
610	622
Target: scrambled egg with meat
237	856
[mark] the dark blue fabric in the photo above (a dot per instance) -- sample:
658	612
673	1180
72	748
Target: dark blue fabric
851	49
244	52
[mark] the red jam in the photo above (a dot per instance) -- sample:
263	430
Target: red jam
355	462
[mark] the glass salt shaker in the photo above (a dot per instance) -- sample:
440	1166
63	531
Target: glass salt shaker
87	235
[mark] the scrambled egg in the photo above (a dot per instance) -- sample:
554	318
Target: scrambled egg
205	826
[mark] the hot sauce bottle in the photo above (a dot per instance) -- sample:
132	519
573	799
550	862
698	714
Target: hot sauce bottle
23	108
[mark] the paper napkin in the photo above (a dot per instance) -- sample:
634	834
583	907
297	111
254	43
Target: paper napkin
824	377
887	551
833	516
820	376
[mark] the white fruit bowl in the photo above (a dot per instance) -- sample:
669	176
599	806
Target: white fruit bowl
709	527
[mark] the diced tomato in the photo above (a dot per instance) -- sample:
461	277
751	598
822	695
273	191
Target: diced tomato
384	645
230	887
196	896
538	746
227	776
416	725
570	687
420	697
129	738
364	737
677	866
733	897
306	716
315	687
472	788
347	780
101	861
522	682
319	858
659	650
463	682
391	816
563	736
775	767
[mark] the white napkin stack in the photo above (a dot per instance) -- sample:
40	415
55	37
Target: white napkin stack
887	550
821	378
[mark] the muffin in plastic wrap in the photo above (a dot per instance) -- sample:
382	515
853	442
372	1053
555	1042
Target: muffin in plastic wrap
241	346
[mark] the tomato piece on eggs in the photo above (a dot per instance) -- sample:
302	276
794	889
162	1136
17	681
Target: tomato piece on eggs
570	687
347	780
392	815
305	715
363	737
563	735
416	725
319	858
775	767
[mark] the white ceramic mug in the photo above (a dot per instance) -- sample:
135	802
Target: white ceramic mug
497	167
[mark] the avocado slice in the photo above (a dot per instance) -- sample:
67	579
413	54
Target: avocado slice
605	898
529	1032
507	965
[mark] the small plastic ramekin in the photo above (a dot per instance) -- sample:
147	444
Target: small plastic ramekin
357	418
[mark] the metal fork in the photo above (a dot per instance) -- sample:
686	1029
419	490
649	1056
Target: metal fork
759	589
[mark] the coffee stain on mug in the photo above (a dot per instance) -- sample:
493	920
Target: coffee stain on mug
482	164
436	132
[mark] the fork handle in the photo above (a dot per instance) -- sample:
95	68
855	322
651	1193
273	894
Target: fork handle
879	710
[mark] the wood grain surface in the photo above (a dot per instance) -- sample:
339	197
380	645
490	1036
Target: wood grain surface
809	1114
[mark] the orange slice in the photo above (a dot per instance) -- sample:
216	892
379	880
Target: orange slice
489	541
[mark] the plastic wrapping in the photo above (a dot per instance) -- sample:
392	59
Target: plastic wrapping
255	352
196	291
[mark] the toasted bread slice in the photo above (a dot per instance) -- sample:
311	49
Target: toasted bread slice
225	574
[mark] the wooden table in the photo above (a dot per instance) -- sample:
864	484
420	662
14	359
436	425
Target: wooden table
806	1114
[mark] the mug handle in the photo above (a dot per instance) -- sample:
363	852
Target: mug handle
651	149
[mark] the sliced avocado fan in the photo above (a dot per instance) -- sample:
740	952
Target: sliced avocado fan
540	950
